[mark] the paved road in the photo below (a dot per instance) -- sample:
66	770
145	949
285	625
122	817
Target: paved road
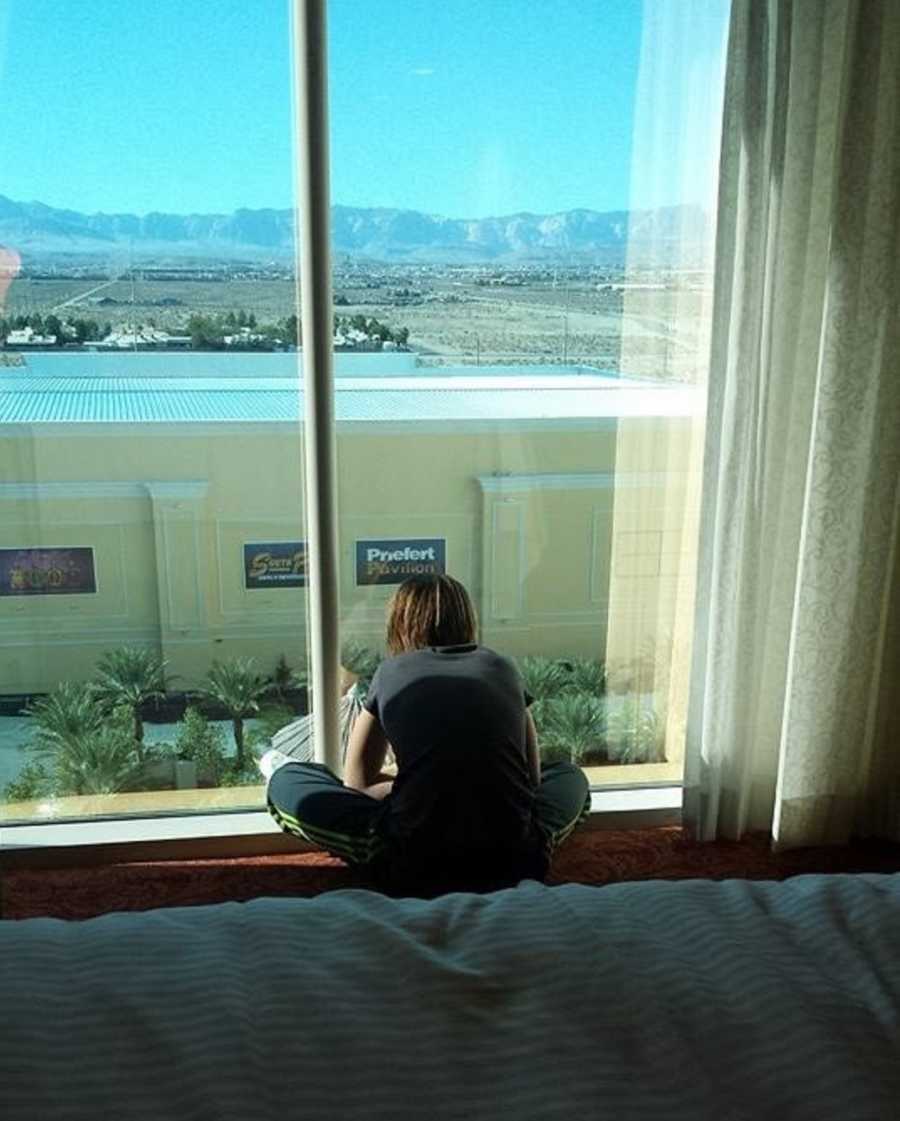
84	295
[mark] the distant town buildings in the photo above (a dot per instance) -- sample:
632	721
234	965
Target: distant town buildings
137	338
350	338
244	337
28	337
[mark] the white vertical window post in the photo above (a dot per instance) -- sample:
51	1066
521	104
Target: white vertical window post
314	272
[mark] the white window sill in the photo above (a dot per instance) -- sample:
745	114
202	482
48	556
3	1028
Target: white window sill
255	833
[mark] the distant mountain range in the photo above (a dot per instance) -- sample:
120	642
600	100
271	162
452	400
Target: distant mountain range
40	232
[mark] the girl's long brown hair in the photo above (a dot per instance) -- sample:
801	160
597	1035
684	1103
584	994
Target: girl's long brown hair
430	611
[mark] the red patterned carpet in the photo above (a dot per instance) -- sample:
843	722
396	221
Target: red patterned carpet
595	857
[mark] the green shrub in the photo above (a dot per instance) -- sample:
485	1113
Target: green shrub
202	743
543	677
33	782
81	748
636	734
101	762
248	775
585	675
570	726
67	713
551	747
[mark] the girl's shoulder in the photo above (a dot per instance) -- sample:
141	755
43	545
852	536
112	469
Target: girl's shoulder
494	658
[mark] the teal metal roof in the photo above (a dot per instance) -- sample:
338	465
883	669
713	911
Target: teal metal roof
31	400
42	396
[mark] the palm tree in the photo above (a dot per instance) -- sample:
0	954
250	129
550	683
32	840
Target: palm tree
89	752
126	678
573	723
585	675
102	762
636	734
550	744
66	714
237	686
543	677
285	677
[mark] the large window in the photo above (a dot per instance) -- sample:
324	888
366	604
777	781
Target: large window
522	236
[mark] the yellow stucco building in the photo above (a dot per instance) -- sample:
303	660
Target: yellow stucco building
157	500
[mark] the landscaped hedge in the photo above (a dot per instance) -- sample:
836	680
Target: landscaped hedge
88	738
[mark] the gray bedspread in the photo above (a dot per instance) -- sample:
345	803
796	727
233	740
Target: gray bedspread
677	1001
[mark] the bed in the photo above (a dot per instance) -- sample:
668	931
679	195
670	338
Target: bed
680	1001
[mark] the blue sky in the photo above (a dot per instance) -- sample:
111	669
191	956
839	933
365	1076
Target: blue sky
466	108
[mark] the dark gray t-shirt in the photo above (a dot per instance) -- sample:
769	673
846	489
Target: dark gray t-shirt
455	717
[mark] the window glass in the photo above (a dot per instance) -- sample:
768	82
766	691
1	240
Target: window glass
524	201
523	230
152	542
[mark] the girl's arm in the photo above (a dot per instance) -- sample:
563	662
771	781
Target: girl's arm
532	755
366	752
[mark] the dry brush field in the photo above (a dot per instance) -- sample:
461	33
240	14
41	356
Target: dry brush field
654	332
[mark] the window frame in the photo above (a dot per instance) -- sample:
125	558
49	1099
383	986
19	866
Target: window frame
234	834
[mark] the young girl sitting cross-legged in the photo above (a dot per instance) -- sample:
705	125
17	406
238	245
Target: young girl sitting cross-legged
470	808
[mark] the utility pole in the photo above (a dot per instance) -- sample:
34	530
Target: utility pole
566	327
131	271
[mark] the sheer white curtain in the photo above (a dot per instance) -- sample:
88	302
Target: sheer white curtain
792	720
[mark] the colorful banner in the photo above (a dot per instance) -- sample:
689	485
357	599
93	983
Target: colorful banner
392	561
275	564
47	572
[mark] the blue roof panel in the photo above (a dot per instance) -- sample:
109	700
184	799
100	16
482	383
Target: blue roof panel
29	399
211	389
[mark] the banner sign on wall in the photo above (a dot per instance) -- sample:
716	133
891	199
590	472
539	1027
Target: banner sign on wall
393	561
275	564
47	572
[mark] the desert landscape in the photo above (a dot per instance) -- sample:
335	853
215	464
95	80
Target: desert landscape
648	324
623	291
